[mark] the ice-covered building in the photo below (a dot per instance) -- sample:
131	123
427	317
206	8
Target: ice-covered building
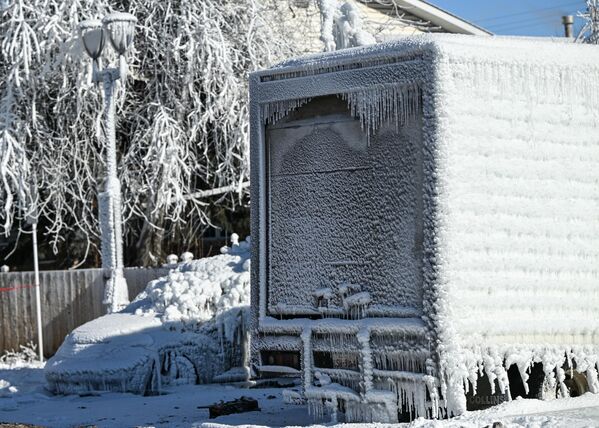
426	224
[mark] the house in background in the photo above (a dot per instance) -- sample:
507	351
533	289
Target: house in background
383	19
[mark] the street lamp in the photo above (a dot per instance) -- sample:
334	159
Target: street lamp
119	28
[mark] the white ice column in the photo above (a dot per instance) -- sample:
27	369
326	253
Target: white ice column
116	295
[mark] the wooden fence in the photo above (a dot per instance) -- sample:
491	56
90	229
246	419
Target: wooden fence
69	298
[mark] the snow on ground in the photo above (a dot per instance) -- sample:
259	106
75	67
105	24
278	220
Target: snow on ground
24	398
184	406
180	406
18	375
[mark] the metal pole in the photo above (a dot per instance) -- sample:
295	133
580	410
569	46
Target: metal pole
38	304
116	293
568	22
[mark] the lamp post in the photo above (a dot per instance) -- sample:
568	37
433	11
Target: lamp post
119	28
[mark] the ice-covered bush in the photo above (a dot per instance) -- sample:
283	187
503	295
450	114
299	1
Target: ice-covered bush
201	290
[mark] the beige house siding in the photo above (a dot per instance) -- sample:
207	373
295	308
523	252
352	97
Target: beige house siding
384	26
304	25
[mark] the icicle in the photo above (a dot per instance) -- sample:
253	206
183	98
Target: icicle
408	361
277	110
157	384
123	68
307	355
375	106
366	352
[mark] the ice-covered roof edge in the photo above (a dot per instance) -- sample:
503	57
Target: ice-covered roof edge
440	17
400	47
494	49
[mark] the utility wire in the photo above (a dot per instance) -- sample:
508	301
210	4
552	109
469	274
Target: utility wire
522	26
495	18
540	20
522	22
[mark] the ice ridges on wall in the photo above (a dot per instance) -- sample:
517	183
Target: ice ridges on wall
432	376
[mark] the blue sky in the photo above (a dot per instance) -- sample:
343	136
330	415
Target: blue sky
516	17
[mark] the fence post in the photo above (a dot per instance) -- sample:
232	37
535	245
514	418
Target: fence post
38	303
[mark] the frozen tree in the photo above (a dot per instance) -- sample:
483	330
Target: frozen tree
590	30
182	134
341	26
182	131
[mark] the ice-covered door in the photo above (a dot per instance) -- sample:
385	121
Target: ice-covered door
343	214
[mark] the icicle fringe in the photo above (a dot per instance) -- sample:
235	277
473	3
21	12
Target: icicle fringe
373	106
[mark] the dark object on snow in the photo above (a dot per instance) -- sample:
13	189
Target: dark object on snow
241	405
13	425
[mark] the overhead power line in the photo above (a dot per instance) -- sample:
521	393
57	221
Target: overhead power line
501	17
524	22
523	26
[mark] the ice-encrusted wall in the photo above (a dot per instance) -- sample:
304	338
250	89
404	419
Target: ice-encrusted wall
345	211
518	211
523	218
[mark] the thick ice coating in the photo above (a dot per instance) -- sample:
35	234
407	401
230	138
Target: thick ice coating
509	220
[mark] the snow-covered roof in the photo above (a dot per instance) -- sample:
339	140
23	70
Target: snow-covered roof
427	12
530	50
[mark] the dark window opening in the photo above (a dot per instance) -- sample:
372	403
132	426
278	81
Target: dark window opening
281	358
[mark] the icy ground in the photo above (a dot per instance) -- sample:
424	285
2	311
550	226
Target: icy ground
182	406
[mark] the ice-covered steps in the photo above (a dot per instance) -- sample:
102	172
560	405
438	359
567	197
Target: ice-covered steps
399	375
280	370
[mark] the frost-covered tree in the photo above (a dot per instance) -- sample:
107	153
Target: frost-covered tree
342	26
182	118
589	32
182	131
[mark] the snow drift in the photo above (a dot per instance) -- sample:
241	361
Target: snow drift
187	327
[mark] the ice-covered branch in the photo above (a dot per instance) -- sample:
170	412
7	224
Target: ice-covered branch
589	32
182	127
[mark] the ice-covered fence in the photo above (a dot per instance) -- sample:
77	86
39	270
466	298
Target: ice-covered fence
69	298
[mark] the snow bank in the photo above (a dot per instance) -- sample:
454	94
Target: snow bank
187	327
17	370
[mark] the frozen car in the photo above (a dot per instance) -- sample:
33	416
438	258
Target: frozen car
187	327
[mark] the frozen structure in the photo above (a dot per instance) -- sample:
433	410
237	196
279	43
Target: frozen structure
426	224
187	327
341	26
